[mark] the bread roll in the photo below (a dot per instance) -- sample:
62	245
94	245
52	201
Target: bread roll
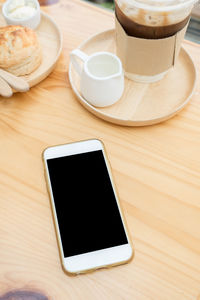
20	51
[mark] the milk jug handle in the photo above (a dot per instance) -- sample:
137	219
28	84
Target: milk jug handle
73	57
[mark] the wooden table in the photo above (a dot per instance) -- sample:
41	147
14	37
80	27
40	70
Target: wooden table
156	170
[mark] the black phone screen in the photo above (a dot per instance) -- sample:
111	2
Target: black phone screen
86	207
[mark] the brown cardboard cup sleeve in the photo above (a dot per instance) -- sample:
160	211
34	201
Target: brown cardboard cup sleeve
147	56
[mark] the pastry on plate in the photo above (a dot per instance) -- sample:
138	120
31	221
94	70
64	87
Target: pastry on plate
20	51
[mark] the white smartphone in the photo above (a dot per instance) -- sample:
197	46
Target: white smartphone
90	228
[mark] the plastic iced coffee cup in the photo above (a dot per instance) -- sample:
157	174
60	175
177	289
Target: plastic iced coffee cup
150	24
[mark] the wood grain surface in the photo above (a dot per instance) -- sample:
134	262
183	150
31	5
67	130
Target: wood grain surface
156	170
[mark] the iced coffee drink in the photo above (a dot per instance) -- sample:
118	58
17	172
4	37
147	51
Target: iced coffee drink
153	19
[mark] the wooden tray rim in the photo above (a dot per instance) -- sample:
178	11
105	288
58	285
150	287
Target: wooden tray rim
35	80
46	72
121	121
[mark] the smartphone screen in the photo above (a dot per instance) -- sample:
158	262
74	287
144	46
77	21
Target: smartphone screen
87	211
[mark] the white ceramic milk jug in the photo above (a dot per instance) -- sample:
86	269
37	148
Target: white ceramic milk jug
101	77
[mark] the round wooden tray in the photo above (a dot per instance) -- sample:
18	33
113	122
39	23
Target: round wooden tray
51	42
141	104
